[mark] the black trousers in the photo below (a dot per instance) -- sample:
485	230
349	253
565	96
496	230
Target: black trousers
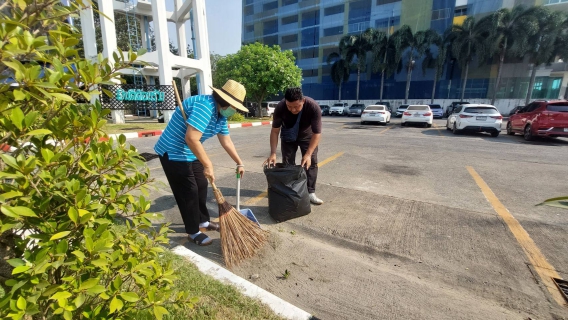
289	150
189	186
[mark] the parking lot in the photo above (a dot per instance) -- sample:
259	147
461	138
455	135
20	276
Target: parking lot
418	223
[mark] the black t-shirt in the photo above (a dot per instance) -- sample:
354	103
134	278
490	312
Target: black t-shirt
310	122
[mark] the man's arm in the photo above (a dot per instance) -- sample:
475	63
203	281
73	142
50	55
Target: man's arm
273	145
307	158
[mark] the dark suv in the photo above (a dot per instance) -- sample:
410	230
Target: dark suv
540	118
450	108
356	109
384	103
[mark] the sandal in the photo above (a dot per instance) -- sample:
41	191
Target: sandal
213	226
200	240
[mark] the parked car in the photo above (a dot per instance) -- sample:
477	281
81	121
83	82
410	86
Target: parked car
515	109
270	106
324	109
340	109
437	110
475	118
356	110
540	118
401	110
418	114
376	113
453	106
384	103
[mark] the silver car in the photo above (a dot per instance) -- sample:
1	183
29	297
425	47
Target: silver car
401	110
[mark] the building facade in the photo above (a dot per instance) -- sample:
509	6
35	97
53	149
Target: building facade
312	30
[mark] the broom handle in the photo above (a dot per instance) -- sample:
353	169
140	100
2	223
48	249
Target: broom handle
238	192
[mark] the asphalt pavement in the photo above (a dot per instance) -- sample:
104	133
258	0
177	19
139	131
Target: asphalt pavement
418	223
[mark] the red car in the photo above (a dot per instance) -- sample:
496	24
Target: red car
540	118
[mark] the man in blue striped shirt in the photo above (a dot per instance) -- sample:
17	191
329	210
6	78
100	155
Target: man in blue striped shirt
184	160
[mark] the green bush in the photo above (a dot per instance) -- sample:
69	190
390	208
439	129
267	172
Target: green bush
237	117
64	186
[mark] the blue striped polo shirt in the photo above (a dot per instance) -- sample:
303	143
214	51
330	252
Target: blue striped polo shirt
202	114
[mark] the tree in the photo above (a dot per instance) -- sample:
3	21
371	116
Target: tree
65	184
340	69
465	41
435	62
506	31
383	53
263	70
416	44
547	43
356	48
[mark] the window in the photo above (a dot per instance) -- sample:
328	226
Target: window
557	108
270	40
424	108
310	18
306	73
249	10
387	22
290	20
310	53
249	2
270	27
333	31
290	38
288	2
458	109
441	14
555	1
379	108
310	37
380	2
481	110
460	11
249	28
532	107
270	6
359	11
333	10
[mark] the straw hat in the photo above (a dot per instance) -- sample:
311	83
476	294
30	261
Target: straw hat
234	93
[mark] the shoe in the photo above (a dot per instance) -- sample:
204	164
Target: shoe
314	199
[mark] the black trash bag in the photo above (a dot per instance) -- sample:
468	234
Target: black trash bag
288	196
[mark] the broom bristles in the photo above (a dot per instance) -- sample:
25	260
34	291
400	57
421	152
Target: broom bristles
240	237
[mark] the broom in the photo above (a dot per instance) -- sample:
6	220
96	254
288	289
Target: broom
240	237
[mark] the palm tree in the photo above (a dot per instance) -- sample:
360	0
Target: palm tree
547	43
465	41
356	47
383	54
435	62
416	44
340	69
506	29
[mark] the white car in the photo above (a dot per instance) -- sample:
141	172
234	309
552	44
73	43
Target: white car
376	113
475	118
418	114
270	108
339	108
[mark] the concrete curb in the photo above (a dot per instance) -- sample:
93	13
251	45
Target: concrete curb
279	306
152	133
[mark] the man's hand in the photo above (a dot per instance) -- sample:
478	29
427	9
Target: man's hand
208	172
271	161
307	161
241	171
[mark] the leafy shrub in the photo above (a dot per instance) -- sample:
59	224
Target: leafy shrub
65	183
236	117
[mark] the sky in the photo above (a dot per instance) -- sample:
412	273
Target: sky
224	24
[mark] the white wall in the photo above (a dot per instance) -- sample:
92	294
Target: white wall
503	105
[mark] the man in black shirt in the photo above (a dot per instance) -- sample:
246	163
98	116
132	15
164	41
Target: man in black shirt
298	121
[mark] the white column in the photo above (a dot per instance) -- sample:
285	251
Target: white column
180	26
186	83
88	30
107	28
202	44
163	47
563	88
